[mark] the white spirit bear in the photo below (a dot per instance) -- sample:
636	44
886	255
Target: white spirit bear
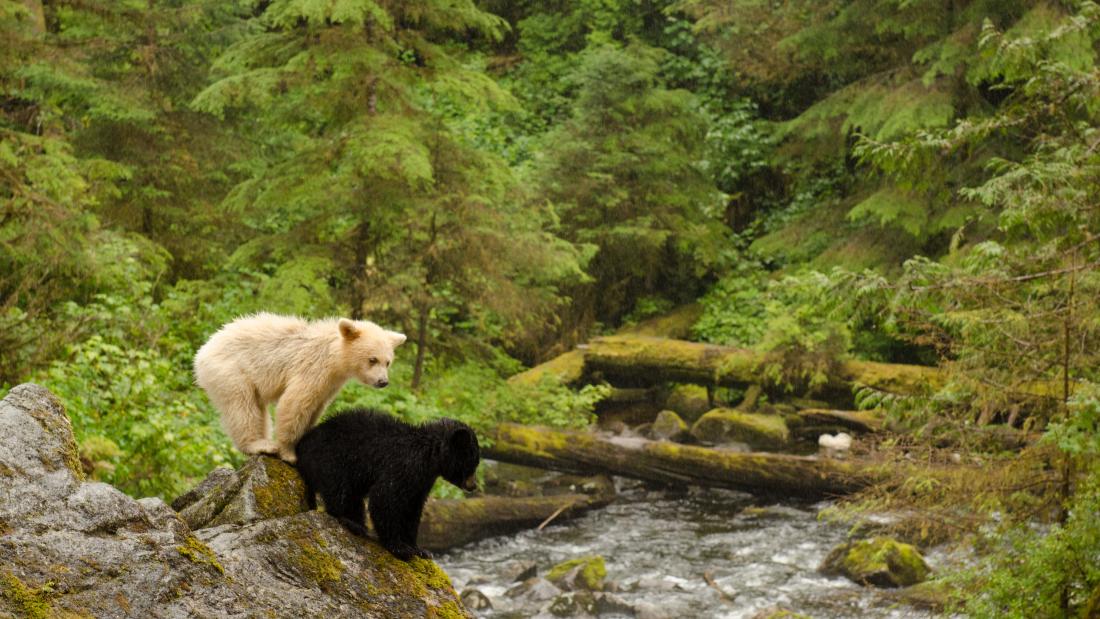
260	359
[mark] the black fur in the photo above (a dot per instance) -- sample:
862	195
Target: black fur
362	453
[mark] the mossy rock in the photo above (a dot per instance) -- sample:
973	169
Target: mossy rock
263	488
580	573
688	401
724	425
933	595
668	426
879	561
26	601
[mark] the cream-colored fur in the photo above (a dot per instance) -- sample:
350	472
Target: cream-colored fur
260	359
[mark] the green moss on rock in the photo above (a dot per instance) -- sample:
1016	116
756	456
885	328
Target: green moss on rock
668	425
309	553
282	493
689	401
723	425
450	610
879	561
199	552
29	602
591	573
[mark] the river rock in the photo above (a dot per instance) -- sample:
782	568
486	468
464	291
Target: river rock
585	573
520	571
534	589
589	604
474	599
723	425
688	401
574	604
668	427
69	547
879	561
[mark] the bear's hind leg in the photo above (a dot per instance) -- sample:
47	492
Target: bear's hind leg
298	409
349	511
245	420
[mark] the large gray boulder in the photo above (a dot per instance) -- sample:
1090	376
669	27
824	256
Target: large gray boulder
71	547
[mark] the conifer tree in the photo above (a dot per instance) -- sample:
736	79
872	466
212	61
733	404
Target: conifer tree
362	183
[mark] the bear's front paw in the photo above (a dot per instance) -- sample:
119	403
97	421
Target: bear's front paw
424	554
404	552
286	454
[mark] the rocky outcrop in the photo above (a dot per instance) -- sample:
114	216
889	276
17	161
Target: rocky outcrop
71	547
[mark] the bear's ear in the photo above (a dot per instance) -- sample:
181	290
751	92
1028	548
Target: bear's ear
348	329
397	338
461	439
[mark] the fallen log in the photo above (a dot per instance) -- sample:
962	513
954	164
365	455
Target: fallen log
809	419
450	523
634	360
672	463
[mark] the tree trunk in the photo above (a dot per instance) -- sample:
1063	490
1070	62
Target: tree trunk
447	523
672	463
358	277
37	14
421	345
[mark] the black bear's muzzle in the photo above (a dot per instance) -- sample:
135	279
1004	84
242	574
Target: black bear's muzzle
470	484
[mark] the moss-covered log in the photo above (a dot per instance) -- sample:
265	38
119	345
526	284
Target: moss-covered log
811	419
566	368
448	523
671	463
633	360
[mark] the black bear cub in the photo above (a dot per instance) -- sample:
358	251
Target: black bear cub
361	454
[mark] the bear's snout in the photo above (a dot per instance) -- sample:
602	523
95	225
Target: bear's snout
381	382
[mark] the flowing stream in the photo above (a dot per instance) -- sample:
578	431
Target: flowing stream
660	547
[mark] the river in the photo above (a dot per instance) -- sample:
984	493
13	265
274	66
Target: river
659	544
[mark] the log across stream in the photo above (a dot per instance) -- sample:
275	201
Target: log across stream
672	463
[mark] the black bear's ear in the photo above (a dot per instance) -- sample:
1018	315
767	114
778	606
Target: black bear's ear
461	439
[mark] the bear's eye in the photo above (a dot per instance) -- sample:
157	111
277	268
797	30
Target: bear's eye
373	360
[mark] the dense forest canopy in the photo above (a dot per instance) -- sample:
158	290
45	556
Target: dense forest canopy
898	180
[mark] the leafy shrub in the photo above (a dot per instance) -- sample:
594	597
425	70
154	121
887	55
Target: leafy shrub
794	319
140	422
478	396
